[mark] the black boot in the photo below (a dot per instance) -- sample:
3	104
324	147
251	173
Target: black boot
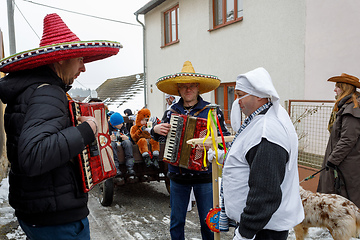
118	173
130	166
156	162
130	171
147	161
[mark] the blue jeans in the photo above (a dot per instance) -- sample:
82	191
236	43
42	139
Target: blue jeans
78	230
179	200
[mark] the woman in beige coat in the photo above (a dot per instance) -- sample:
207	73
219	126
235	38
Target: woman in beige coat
342	156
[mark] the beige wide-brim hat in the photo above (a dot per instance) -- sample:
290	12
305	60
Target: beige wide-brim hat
346	78
169	83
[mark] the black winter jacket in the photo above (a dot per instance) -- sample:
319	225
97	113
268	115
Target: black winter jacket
45	187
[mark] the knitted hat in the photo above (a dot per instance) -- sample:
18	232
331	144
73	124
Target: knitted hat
116	119
58	43
168	84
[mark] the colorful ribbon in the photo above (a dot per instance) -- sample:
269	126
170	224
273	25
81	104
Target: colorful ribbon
211	130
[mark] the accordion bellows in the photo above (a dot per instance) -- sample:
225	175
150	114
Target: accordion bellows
97	160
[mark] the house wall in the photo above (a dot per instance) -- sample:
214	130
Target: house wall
271	35
332	39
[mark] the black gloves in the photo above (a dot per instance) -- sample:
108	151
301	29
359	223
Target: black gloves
330	165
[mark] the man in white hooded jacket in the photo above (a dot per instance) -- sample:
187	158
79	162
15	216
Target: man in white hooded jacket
260	175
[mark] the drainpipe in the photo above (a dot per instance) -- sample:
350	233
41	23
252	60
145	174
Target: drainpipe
144	60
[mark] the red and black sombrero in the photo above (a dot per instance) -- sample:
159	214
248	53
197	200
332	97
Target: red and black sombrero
58	43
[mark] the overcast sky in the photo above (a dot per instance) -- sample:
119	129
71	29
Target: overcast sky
128	61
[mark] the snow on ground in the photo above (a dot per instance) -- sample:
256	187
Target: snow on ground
7	213
7	216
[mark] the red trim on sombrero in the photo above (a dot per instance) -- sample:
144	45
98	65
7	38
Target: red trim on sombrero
91	51
58	43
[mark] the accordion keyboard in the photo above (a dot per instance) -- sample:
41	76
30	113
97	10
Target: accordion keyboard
173	138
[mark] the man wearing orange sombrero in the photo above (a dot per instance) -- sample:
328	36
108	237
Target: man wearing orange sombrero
188	85
45	187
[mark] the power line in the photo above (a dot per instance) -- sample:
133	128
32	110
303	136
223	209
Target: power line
80	83
26	19
107	19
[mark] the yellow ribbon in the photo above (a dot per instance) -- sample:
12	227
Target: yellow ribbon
210	130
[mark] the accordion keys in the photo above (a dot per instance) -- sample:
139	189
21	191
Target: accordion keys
177	152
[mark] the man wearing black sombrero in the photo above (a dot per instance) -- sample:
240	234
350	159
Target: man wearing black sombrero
45	186
188	85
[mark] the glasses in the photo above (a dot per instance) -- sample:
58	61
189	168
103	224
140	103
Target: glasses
190	86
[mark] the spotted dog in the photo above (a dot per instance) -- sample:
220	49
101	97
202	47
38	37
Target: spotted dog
334	212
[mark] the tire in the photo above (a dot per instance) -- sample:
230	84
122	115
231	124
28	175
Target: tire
106	192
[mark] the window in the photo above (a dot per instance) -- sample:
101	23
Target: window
226	12
171	26
224	97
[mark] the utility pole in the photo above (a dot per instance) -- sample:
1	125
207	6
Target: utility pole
11	25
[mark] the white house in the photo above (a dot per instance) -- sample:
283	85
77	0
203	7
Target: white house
301	44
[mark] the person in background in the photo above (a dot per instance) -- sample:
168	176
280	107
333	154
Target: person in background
343	149
45	182
92	100
120	136
131	118
108	115
98	100
260	182
170	100
189	86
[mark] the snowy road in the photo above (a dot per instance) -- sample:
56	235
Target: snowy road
139	212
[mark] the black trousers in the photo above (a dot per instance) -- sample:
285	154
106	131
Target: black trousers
271	235
266	234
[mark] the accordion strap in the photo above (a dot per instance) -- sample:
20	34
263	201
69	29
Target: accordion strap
195	114
198	112
173	111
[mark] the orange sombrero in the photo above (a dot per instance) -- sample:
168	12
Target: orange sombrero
346	78
168	84
58	43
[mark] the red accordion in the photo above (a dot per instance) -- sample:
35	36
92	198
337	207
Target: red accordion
96	160
177	152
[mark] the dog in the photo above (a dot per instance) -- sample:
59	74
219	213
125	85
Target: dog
334	212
